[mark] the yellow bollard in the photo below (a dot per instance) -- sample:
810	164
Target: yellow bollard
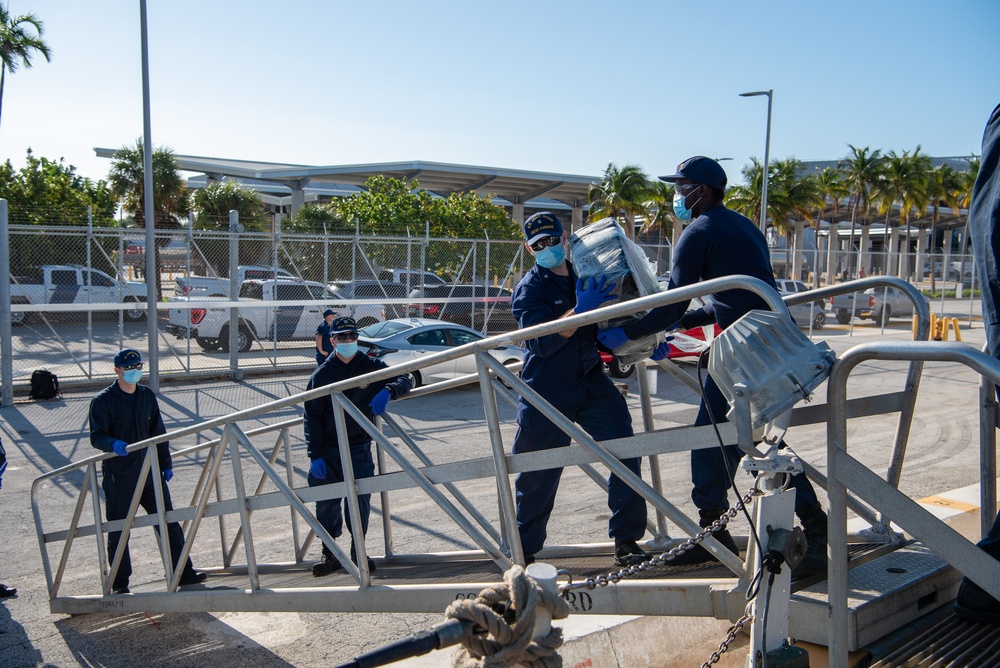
913	336
943	323
934	328
958	334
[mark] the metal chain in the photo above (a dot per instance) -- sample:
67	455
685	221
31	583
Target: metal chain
614	577
730	636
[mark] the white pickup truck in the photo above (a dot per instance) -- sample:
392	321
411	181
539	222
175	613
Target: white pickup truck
209	326
75	284
218	286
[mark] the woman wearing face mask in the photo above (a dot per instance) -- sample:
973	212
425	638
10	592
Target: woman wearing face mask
124	413
566	369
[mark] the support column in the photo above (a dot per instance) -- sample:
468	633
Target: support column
946	260
923	238
517	214
800	226
894	263
576	219
298	200
832	246
866	248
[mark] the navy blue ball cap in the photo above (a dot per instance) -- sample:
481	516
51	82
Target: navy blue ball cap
700	169
341	325
127	357
329	311
542	224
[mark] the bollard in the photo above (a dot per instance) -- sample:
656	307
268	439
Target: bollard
545	575
955	326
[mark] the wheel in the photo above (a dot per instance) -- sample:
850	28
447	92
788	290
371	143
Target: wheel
843	319
207	344
886	314
244	339
619	370
135	312
819	320
364	322
18	317
414	377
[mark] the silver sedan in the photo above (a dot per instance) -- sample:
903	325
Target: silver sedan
406	339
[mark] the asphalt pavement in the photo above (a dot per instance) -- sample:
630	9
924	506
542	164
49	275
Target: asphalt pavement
42	436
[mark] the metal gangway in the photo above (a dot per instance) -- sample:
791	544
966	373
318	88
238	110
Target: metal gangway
253	585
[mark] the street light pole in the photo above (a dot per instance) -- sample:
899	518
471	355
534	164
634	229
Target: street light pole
767	155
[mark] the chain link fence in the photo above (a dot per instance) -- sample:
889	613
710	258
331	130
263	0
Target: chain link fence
78	293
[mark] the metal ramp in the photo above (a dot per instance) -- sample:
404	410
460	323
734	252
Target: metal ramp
428	582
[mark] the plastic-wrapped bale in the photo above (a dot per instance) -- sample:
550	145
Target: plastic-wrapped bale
601	248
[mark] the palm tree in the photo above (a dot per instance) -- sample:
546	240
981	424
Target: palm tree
214	202
745	198
904	183
963	197
621	194
943	187
831	188
660	206
170	195
792	197
862	168
20	39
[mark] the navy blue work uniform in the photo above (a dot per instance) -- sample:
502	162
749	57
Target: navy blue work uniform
116	415
569	374
321	434
718	243
323	332
984	229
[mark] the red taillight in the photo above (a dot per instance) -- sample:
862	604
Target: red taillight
186	290
197	314
375	352
871	301
430	310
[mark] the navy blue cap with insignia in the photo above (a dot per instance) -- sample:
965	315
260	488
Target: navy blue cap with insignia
540	225
344	324
127	357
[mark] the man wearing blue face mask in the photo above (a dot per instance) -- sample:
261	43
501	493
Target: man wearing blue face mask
566	369
320	425
718	242
123	413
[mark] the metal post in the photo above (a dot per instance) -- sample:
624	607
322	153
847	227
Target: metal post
767	155
149	211
90	294
232	440
326	256
234	291
645	401
6	344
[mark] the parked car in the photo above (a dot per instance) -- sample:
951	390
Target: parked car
856	305
376	291
218	286
473	306
803	314
174	254
404	340
889	303
75	284
412	277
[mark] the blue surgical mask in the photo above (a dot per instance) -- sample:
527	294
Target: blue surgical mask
346	349
680	209
133	376
552	256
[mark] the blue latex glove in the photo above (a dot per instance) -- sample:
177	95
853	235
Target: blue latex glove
317	469
380	401
613	338
662	350
119	448
168	474
593	294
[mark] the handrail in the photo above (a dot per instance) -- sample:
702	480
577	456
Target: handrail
844	470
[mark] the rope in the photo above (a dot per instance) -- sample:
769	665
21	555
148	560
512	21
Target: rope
508	637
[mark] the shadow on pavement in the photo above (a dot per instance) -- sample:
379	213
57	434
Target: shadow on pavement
15	648
195	639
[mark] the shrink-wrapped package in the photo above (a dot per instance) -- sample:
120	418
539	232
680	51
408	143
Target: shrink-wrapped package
602	249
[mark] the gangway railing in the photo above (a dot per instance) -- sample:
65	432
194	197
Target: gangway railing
846	472
696	597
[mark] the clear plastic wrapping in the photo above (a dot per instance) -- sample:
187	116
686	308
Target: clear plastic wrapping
602	249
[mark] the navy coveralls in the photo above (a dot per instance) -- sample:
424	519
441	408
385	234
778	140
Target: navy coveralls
118	416
984	229
569	374
718	243
323	331
321	434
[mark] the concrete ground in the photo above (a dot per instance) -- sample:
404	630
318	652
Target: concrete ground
41	436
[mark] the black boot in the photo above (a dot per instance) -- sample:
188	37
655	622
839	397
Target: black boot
354	558
698	554
328	564
973	604
814	526
628	553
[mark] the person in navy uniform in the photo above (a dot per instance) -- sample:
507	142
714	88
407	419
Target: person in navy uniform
323	345
321	432
566	369
123	413
718	242
5	591
973	603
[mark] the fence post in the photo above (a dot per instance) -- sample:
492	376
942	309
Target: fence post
6	345
234	291
90	312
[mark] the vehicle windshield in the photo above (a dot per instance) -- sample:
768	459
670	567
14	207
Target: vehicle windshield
386	328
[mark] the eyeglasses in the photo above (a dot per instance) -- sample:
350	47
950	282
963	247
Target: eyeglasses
685	188
545	242
346	336
133	367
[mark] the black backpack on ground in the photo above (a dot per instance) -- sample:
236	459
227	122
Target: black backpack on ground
44	385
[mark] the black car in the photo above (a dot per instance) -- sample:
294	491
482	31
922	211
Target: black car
475	306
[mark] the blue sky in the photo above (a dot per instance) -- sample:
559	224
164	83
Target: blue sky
549	86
